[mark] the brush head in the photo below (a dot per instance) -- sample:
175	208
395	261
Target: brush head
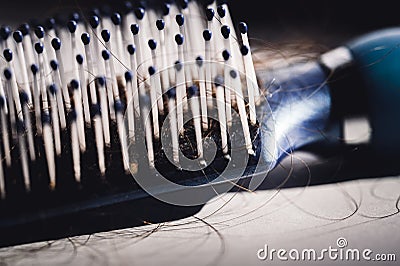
17	36
145	93
5	32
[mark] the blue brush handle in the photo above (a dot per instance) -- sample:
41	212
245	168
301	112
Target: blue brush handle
377	59
304	98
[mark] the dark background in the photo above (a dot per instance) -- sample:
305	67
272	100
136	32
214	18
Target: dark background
283	18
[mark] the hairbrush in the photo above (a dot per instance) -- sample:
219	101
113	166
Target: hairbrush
164	99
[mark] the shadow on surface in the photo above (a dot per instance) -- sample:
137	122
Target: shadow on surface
300	169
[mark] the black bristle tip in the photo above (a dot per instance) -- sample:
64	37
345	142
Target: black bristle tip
54	65
74	84
219	80
193	91
152	44
24	28
94	21
17	35
7	74
39	47
119	106
165	9
225	31
131	49
210	14
128	76
233	74
95	110
226	55
183	3
53	89
152	70
75	16
171	93
34	69
8	55
180	19
244	50
139	13
160	24
143	3
101	81
79	59
50	23
178	65
199	61
39	32
56	43
95	12
105	34
23	96
135	29
242	27
207	34
221	11
116	19
71	26
5	32
105	54
85	37
127	7
179	39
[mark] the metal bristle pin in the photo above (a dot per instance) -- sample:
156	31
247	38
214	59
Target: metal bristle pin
90	90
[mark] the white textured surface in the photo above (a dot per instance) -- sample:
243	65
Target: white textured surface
306	217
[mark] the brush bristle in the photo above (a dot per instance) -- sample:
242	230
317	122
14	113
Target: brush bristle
99	96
